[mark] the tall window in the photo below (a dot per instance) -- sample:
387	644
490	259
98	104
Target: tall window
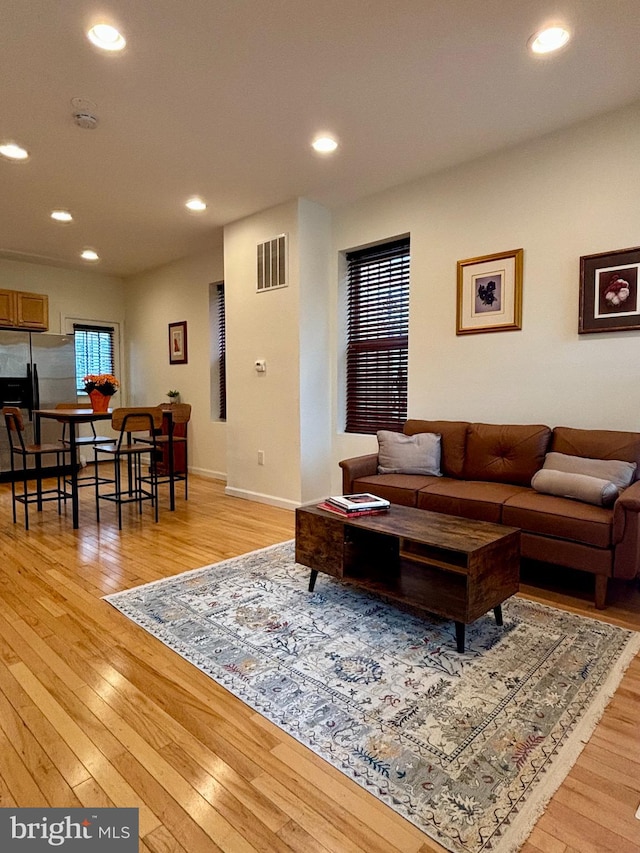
222	352
377	337
94	351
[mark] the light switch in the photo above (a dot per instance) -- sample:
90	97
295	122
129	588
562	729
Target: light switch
261	365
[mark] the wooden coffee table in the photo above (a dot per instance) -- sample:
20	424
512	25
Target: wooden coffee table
454	567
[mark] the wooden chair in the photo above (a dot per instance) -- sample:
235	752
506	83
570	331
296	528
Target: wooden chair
26	452
88	441
136	489
174	469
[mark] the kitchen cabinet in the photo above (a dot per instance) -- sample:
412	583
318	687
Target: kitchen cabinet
20	310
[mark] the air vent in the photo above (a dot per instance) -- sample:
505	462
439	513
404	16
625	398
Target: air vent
272	263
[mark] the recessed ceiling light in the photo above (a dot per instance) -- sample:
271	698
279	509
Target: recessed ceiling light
196	204
90	255
324	144
106	37
13	152
61	215
549	39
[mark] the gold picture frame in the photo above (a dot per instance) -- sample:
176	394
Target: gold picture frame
490	293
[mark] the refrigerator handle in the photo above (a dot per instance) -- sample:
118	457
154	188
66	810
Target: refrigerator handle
36	389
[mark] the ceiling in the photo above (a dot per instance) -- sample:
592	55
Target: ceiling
221	98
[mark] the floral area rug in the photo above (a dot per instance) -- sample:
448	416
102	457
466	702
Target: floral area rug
468	747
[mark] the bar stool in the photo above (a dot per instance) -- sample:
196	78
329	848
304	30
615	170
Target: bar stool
88	441
177	415
137	489
174	415
15	431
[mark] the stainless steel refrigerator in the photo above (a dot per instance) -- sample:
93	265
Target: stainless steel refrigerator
36	372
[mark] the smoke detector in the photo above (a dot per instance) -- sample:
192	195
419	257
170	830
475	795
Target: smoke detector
87	121
84	113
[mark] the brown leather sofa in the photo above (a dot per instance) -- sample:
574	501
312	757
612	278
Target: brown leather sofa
487	471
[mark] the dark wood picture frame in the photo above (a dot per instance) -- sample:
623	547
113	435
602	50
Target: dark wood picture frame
610	291
178	342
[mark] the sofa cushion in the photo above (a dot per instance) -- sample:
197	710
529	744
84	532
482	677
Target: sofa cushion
454	439
469	499
578	487
408	454
505	453
559	517
598	444
397	488
616	471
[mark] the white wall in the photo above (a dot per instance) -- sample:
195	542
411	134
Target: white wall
76	293
262	408
172	293
284	414
314	348
570	194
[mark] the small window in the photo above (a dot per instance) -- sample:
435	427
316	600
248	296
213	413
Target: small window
377	337
94	351
222	352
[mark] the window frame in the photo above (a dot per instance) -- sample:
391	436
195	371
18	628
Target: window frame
69	322
377	336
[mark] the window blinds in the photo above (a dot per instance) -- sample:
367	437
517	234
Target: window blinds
94	351
222	354
378	337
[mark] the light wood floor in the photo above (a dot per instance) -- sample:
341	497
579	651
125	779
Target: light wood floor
95	712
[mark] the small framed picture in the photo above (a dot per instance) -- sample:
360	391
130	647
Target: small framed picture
178	343
609	300
490	293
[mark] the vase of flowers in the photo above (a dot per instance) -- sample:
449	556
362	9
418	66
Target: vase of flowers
100	387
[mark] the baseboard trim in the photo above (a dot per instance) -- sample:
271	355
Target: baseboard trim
207	474
260	498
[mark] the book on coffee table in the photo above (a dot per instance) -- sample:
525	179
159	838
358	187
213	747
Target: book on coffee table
358	513
358	503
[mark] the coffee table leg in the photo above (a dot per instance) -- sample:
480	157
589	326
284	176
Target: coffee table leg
460	636
497	612
312	579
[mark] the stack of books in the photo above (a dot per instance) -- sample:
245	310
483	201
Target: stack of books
355	505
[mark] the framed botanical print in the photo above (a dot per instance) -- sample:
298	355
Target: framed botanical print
490	293
609	299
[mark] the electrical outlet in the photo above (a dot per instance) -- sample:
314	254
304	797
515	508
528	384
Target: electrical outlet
261	457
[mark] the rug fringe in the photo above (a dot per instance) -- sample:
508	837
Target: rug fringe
523	824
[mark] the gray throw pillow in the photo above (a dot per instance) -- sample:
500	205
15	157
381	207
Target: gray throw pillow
612	470
579	487
409	454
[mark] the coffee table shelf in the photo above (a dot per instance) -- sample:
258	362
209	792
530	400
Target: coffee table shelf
456	568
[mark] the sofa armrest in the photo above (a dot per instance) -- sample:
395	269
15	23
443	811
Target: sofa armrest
626	533
630	498
357	466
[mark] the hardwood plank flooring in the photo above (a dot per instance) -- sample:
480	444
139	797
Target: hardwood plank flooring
95	712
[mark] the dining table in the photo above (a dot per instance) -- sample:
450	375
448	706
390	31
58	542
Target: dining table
73	417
